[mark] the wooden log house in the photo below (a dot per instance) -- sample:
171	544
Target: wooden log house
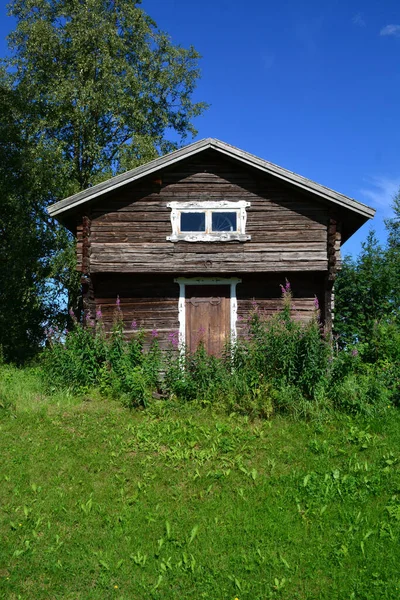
191	240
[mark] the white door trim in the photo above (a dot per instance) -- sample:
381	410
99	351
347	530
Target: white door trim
184	281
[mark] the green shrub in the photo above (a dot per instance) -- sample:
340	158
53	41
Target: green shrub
196	376
89	358
278	354
249	397
285	351
280	365
365	378
360	393
76	362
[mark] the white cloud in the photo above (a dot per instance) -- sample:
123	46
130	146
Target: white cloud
358	20
391	30
380	192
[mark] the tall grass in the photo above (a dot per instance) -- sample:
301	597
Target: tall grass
22	389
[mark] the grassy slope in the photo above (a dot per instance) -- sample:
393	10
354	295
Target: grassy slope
179	502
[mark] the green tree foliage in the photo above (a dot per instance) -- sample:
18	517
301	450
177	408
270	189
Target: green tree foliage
106	89
88	90
393	250
26	242
367	291
362	293
393	226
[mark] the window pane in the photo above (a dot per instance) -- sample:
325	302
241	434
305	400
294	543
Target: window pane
224	221
193	221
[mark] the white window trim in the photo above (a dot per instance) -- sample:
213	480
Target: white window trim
184	281
209	206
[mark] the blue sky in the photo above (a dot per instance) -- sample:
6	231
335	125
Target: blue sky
311	86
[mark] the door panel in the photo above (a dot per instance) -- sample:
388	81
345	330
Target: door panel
207	317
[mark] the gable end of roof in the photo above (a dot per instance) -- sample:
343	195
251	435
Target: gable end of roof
70	203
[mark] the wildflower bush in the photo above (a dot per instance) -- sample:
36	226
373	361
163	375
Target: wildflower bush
279	365
88	358
286	351
366	377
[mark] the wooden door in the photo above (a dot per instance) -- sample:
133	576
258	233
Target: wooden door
208	317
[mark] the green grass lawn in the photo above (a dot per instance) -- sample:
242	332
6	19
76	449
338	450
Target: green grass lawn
177	502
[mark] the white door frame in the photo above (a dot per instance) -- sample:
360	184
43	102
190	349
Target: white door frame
184	281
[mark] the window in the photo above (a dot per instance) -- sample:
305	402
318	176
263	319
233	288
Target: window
223	221
193	221
208	221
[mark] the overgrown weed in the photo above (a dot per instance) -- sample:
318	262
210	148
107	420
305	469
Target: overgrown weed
280	365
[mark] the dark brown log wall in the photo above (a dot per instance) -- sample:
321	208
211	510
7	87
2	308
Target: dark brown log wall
264	293
129	226
152	302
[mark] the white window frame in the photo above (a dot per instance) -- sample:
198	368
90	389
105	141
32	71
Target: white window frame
184	281
209	207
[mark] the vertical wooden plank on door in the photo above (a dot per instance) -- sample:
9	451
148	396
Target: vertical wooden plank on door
208	317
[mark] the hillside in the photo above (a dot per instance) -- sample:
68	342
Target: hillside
179	501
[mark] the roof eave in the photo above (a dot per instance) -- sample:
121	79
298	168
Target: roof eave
231	152
299	181
155	165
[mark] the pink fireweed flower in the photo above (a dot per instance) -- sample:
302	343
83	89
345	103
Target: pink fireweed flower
154	333
316	303
118	303
286	289
99	314
354	352
173	338
134	324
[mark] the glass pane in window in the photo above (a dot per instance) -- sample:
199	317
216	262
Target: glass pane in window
193	221
224	221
